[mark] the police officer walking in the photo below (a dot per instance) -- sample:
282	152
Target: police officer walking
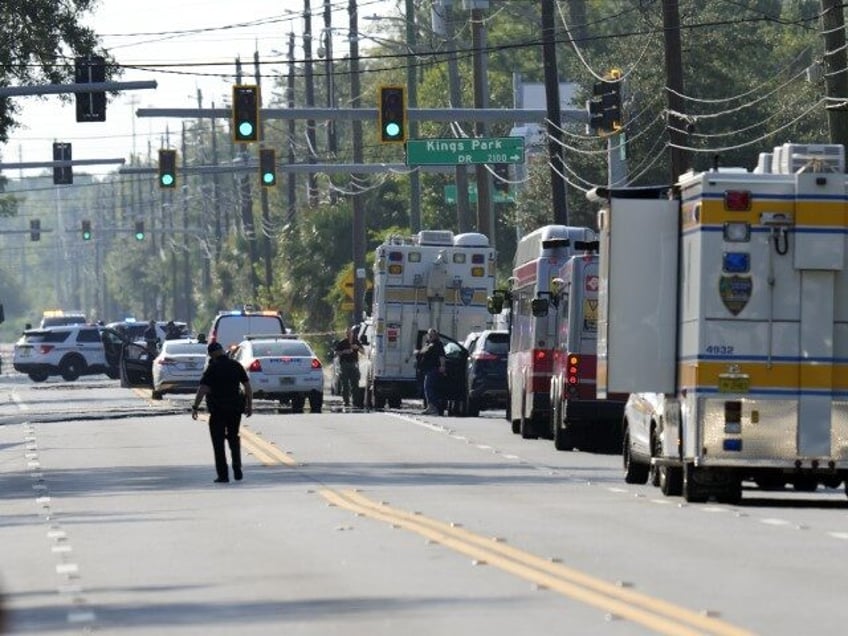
220	385
347	350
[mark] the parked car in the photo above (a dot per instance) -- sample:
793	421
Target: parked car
178	367
229	328
487	372
283	368
70	351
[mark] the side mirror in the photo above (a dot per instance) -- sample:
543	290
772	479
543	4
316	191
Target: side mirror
539	307
494	304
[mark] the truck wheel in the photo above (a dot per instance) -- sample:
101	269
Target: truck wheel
379	402
394	402
71	367
692	492
526	426
671	480
634	472
38	376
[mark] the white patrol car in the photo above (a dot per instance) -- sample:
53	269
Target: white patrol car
69	351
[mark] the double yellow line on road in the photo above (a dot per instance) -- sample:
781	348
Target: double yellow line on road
660	616
265	451
653	613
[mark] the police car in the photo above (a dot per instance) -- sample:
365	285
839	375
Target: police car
283	368
70	351
231	327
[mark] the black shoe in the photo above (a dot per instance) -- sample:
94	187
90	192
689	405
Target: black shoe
237	474
222	480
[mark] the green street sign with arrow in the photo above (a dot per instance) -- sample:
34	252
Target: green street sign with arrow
470	150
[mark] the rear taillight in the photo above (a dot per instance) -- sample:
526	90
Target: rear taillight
165	361
485	355
256	365
542	361
316	363
573	367
43	349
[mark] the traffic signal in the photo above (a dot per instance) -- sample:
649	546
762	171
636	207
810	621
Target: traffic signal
392	111
63	175
86	230
167	168
611	103
90	106
139	230
245	124
35	230
604	109
267	167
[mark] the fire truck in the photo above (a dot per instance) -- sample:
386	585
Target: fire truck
578	417
432	279
538	257
723	310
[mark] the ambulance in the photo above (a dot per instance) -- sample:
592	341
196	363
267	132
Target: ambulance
432	279
579	419
538	258
723	310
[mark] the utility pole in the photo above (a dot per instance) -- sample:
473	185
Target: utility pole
332	142
263	192
358	206
291	181
412	102
485	212
835	62
308	78
463	209
554	123
674	81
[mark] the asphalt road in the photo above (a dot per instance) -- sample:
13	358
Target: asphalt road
378	524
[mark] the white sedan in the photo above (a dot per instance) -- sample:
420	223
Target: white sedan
178	367
283	368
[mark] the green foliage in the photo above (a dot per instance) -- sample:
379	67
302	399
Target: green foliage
39	40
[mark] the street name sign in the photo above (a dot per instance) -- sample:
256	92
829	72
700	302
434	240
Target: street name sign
470	150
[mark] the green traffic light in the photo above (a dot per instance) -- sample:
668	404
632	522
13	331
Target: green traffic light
86	236
268	178
167	179
392	129
245	129
139	236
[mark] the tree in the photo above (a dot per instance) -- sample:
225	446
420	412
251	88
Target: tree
39	40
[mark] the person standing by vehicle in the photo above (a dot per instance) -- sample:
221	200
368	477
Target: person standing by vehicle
221	385
347	350
172	332
432	364
151	338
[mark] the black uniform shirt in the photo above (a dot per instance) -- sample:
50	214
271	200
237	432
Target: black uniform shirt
223	376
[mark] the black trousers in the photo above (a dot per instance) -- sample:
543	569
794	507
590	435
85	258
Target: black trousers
224	425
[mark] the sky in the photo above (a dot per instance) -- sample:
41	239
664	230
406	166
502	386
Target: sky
185	35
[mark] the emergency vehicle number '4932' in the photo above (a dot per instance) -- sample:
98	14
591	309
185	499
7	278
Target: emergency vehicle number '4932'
724	350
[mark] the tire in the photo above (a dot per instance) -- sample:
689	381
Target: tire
113	374
671	481
71	367
634	472
526	427
656	451
691	491
316	401
297	403
394	402
379	402
732	492
38	376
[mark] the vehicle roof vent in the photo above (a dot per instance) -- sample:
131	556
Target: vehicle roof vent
471	239
434	237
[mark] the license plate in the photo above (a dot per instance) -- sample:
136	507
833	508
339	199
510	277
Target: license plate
734	384
286	380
